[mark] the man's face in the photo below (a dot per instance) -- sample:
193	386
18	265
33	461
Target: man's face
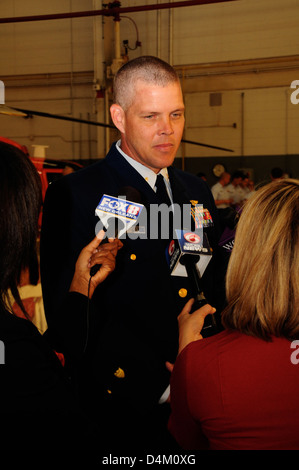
226	179
237	181
244	183
153	125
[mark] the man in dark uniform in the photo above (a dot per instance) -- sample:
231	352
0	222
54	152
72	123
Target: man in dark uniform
133	317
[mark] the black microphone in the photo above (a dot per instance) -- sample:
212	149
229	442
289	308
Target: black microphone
190	262
114	227
118	215
188	255
227	238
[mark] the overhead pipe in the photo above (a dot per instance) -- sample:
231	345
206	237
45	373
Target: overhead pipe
118	60
26	113
112	11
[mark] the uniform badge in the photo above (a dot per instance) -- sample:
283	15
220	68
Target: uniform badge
201	216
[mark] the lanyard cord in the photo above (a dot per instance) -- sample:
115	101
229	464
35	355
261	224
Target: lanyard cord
87	317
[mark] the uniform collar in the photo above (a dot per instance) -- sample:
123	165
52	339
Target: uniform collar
149	175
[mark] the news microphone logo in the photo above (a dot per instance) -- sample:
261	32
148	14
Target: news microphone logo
227	239
192	237
118	208
2	353
171	248
2	92
188	243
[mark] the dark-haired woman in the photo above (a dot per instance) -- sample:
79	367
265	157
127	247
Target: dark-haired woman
38	405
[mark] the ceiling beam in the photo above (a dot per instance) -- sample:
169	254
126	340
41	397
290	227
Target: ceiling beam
115	11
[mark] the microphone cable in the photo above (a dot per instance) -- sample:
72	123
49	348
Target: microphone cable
87	317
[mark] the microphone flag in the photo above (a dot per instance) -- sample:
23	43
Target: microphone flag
112	209
188	243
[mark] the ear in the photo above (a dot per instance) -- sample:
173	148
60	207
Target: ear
118	117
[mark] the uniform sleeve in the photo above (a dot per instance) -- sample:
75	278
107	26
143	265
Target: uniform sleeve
186	431
65	231
56	271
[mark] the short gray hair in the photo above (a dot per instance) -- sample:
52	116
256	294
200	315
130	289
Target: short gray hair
148	69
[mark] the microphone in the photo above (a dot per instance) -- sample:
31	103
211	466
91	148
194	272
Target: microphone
118	215
188	256
227	238
210	326
114	227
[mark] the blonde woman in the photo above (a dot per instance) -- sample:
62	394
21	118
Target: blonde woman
239	389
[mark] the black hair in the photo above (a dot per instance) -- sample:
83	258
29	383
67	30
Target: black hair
20	204
276	172
237	174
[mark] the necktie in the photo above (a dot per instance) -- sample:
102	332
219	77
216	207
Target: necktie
162	191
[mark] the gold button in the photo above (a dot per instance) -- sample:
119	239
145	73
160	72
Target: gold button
183	292
119	373
133	257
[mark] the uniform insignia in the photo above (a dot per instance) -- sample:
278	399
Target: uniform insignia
201	216
208	221
119	373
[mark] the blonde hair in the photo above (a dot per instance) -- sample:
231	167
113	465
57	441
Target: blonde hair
262	282
148	69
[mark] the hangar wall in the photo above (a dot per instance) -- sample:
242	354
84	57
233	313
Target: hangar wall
236	60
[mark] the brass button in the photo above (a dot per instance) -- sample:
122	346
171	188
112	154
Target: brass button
119	373
193	203
183	293
133	257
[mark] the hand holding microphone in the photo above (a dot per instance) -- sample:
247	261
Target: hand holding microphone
117	215
209	326
95	253
189	256
107	236
190	326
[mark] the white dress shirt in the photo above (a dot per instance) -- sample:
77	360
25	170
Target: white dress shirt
149	175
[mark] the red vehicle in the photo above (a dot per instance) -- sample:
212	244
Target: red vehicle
49	170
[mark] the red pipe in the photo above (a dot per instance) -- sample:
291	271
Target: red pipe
110	11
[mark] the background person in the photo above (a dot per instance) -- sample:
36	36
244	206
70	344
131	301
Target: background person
126	376
219	192
239	389
233	188
223	201
38	406
276	174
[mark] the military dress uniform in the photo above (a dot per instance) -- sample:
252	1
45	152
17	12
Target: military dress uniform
132	317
